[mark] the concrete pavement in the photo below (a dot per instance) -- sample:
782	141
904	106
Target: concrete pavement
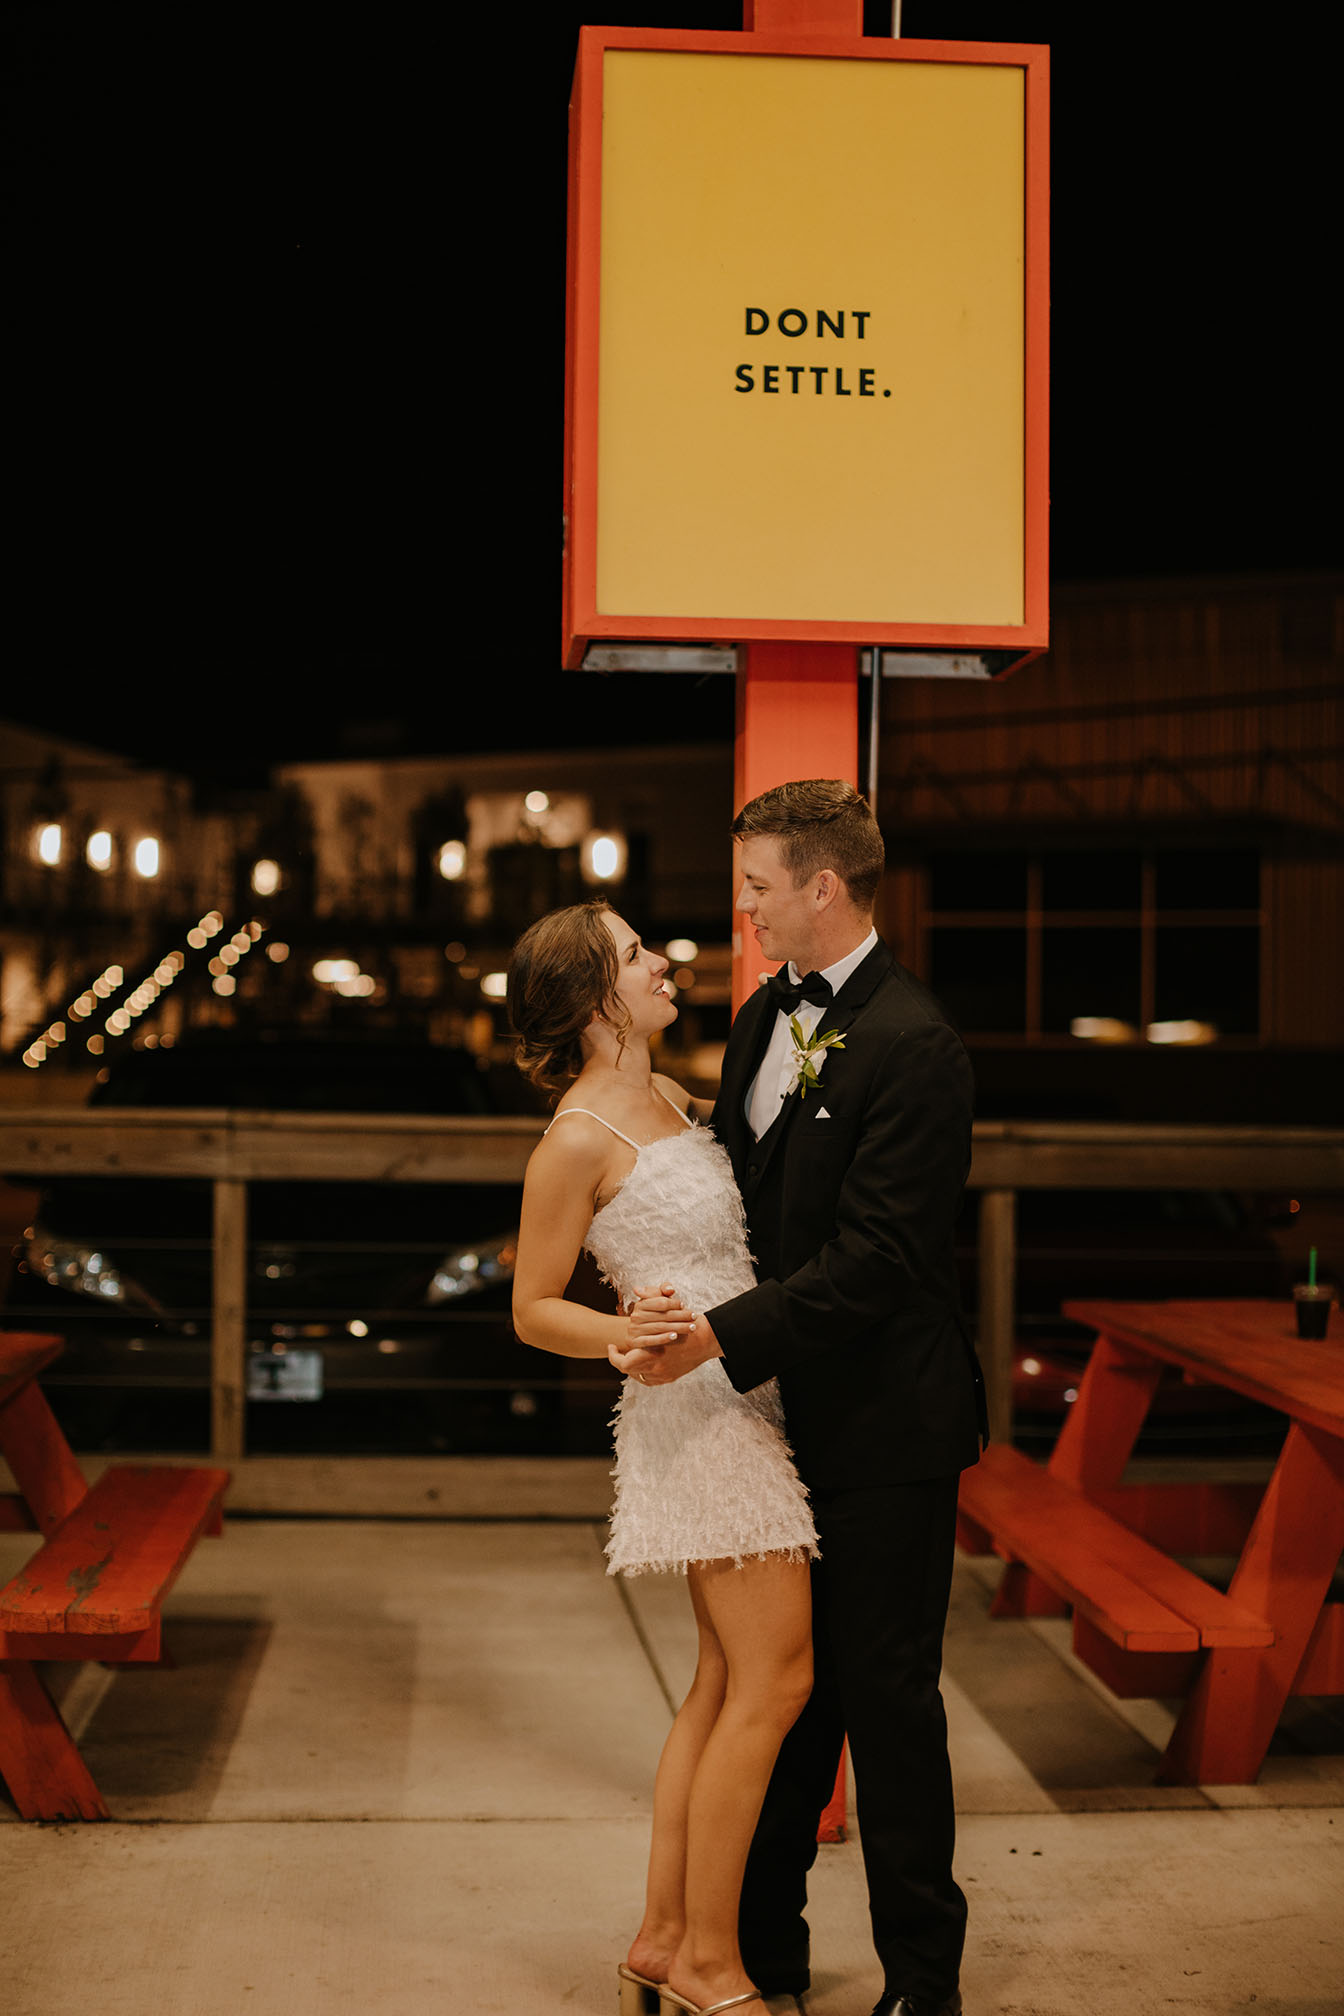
403	1767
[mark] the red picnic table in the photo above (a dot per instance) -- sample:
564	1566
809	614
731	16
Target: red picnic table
95	1587
1075	1536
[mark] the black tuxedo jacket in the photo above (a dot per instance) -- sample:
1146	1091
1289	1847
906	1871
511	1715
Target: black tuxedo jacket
851	1198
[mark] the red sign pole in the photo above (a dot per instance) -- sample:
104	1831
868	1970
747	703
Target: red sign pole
797	704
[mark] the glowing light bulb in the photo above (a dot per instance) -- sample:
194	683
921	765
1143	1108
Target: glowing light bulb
604	857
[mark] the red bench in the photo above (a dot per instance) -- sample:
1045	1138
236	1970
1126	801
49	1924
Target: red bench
93	1590
1140	1618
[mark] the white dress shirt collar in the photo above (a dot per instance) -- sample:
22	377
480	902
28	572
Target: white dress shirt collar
769	1088
840	972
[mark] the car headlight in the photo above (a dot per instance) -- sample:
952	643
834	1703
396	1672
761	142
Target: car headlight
466	1270
83	1269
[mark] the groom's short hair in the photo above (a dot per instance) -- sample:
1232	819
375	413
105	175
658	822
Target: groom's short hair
820	822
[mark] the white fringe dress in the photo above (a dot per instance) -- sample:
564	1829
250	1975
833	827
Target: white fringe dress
703	1472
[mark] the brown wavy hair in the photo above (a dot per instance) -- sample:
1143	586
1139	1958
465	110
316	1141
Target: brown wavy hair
563	971
819	822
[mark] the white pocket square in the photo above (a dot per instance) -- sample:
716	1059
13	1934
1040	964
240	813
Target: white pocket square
821	1114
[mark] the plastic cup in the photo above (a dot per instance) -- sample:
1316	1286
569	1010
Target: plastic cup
1312	1301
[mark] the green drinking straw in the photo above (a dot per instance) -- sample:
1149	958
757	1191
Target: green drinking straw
1311	1268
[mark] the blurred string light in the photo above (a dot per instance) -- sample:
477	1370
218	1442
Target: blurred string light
146	858
265	877
452	860
98	852
83	1005
228	956
144	996
537	801
49	843
682	950
495	986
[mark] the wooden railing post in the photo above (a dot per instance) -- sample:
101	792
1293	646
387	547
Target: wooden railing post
228	1334
998	1305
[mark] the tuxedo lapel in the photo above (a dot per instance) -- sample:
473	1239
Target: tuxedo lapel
853	996
857	990
742	1060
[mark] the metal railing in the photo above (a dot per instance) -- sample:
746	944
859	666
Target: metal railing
235	1149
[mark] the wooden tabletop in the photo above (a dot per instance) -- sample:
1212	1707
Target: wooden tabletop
1249	1347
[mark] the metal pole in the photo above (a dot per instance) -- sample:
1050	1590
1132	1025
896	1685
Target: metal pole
875	656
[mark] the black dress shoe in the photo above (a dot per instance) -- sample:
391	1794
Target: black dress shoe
918	2005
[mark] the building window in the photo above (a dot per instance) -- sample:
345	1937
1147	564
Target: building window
1023	943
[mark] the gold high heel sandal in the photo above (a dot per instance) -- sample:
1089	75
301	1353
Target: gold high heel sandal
638	1995
672	2004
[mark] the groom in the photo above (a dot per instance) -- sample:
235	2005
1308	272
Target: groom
851	1157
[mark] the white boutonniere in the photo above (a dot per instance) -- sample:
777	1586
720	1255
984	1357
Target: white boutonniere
809	1054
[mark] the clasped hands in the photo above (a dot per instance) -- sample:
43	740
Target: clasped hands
664	1339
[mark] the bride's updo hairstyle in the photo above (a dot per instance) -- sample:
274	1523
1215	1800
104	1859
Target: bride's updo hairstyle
563	972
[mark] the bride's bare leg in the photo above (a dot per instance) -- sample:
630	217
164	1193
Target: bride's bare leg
664	1921
761	1614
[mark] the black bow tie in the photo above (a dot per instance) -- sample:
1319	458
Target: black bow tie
787	994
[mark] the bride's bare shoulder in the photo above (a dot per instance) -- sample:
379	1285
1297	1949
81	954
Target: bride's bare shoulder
574	1141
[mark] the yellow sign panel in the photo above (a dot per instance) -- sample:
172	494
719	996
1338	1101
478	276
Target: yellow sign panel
810	349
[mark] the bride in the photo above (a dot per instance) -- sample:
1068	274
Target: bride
705	1484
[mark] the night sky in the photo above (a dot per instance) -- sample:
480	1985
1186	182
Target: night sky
284	447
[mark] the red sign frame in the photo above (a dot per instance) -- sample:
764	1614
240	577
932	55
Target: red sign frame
583	623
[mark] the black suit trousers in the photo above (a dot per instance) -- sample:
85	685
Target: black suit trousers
880	1594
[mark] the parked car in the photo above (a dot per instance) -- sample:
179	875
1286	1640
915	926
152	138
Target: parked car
403	1289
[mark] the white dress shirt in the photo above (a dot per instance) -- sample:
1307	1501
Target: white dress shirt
769	1088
